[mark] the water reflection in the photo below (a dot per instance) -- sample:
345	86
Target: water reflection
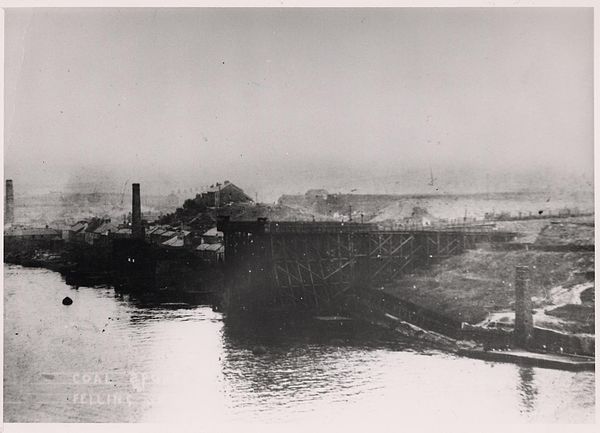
527	389
300	363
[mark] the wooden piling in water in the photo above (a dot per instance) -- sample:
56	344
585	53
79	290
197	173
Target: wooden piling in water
523	332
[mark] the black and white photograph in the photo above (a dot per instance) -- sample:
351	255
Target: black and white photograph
285	216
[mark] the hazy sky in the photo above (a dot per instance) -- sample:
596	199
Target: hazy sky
281	100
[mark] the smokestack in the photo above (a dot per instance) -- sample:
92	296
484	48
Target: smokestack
9	203
523	316
137	231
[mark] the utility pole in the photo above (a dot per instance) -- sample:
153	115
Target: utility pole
350	220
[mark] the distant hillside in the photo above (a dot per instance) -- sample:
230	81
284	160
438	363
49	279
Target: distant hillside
390	207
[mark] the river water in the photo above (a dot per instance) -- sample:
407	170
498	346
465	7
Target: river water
112	358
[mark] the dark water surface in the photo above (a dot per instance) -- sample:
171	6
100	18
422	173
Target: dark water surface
110	358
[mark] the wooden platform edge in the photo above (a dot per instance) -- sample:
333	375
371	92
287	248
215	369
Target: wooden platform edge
535	360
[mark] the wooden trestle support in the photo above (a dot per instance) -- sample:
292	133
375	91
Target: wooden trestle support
310	265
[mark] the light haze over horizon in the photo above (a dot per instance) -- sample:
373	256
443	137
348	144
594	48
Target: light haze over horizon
282	100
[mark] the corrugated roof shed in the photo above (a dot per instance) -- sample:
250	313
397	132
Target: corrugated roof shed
105	228
77	227
174	242
216	248
93	225
151	230
213	232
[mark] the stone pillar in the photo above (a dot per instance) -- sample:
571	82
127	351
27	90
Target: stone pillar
137	231
523	317
9	203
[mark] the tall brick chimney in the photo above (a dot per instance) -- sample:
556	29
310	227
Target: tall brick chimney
137	231
523	316
9	203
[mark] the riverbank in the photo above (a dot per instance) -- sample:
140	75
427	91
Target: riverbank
160	273
478	286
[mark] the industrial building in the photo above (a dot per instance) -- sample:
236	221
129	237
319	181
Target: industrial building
222	194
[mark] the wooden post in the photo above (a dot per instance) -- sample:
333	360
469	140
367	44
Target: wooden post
523	318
